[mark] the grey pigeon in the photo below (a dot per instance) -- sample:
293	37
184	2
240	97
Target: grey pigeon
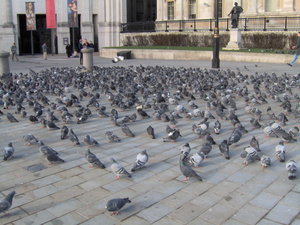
210	139
235	136
186	170
141	160
125	129
196	159
294	131
90	140
64	132
8	151
150	132
6	203
217	127
44	149
200	130
172	136
51	125
118	169
142	113
93	160
250	154
280	151
73	137
30	139
112	137
114	205
254	143
281	133
265	161
254	122
291	167
185	149
224	149
269	131
33	119
206	148
53	158
11	118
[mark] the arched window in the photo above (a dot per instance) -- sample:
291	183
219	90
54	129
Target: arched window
192	9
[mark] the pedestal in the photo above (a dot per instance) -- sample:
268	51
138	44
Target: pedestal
235	41
4	63
87	57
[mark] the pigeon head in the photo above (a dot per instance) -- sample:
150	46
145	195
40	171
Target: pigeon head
127	200
10	196
10	144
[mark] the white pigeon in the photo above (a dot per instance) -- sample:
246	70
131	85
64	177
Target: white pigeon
197	159
141	160
8	151
280	151
291	167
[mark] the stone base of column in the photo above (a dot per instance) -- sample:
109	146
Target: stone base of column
88	62
235	42
4	63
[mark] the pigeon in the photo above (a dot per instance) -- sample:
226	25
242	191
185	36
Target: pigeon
51	125
11	118
141	160
93	160
33	119
250	155
200	130
280	151
64	132
186	170
254	143
150	132
196	159
294	131
265	161
269	131
210	139
6	203
114	205
53	158
112	137
172	136
30	139
8	151
224	149
291	167
217	127
254	122
118	169
206	148
73	137
125	129
235	136
44	149
90	141
142	113
185	149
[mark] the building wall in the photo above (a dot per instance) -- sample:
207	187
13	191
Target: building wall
108	14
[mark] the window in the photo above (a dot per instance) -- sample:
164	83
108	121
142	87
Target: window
192	9
170	10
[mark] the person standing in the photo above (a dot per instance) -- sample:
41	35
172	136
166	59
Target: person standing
44	48
13	50
69	50
297	48
80	46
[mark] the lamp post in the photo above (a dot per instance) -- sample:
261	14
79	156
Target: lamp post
216	40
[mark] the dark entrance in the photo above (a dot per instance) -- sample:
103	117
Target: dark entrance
40	35
77	35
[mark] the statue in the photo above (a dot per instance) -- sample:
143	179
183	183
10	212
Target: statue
235	15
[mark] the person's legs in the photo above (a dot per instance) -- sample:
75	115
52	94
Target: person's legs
295	59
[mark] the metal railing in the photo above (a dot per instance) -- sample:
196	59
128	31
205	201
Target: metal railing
194	25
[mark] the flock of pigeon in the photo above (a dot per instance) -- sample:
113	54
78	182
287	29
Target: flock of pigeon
58	98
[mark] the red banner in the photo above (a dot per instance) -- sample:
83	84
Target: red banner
50	14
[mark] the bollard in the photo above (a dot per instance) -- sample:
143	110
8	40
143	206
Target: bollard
4	63
88	62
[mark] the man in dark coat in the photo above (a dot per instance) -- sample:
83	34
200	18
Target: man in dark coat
297	48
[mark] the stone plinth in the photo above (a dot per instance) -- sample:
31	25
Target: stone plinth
235	42
4	63
88	62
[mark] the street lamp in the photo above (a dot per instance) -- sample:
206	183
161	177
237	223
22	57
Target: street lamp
216	40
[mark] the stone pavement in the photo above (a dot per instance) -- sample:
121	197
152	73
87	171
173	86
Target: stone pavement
72	193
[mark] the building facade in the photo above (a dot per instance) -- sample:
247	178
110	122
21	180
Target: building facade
100	20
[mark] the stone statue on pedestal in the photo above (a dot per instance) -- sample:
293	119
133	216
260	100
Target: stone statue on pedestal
235	15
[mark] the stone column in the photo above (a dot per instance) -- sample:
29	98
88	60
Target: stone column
63	30
88	61
4	63
8	12
87	31
235	42
252	7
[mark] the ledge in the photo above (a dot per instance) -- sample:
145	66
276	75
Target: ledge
198	55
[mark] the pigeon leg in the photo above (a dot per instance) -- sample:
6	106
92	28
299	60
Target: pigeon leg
91	166
117	177
186	179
